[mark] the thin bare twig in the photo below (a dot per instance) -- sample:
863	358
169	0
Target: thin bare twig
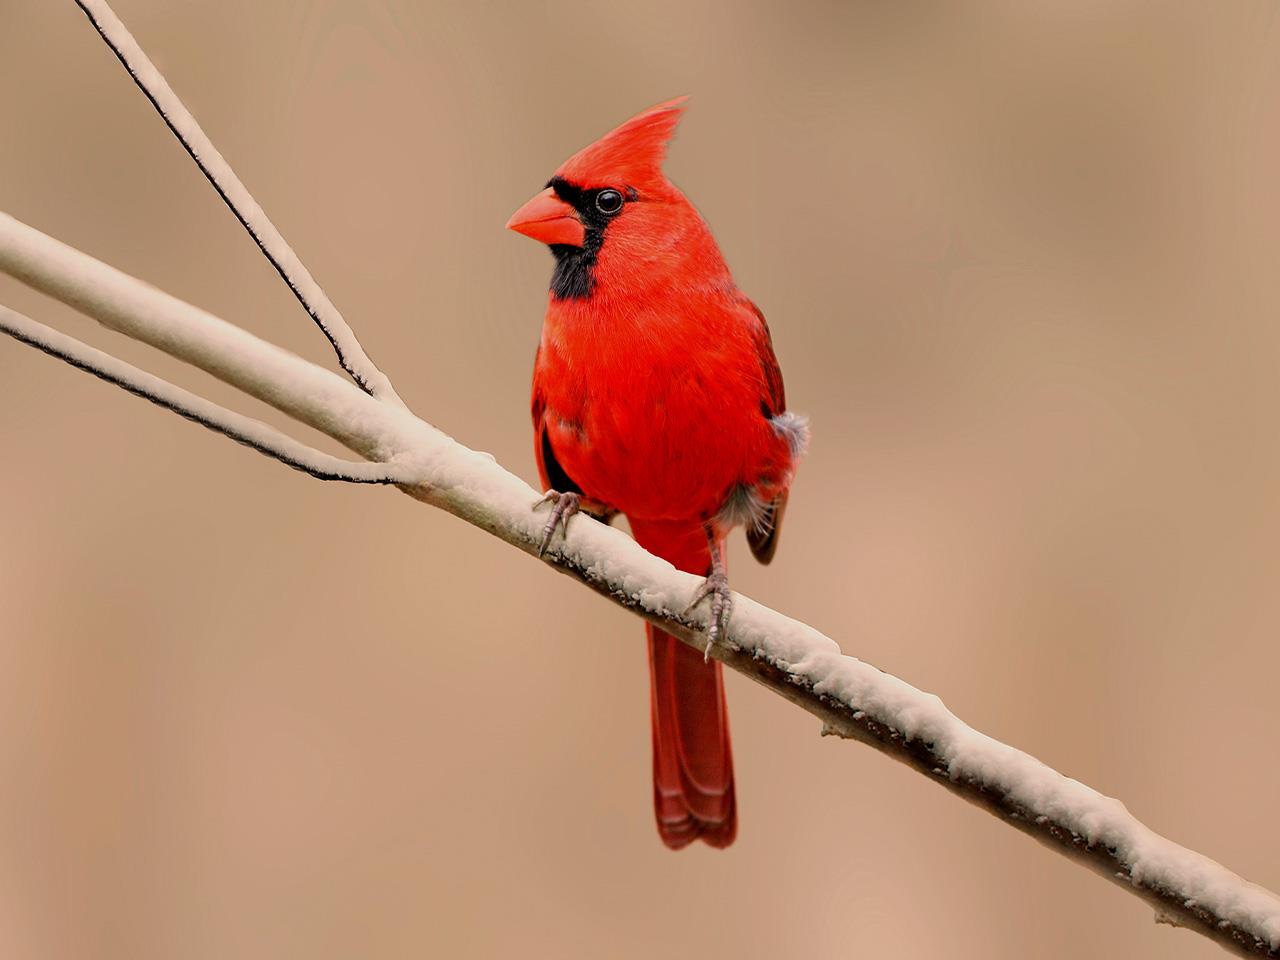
218	172
145	313
254	434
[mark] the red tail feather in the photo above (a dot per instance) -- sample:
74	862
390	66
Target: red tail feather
692	761
693	794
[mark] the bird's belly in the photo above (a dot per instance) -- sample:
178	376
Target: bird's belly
653	458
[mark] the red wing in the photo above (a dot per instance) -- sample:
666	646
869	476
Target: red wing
763	538
550	472
539	434
777	398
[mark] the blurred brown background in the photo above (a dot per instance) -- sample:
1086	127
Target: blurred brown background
1020	262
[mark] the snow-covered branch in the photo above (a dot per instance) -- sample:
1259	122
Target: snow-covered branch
274	247
852	698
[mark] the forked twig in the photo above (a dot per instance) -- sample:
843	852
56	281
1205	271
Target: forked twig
218	172
252	433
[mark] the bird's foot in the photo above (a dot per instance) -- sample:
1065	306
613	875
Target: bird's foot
564	506
716	586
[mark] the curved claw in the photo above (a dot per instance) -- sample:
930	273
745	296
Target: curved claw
716	586
565	505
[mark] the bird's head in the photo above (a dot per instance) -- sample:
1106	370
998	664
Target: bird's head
610	215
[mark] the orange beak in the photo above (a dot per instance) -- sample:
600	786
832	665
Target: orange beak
548	218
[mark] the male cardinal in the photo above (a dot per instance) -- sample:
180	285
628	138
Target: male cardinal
656	394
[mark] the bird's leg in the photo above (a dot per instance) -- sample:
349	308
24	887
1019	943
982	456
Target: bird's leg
564	506
716	586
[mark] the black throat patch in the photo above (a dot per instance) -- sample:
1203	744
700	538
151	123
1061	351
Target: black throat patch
574	276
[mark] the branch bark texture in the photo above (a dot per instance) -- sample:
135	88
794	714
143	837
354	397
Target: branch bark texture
252	433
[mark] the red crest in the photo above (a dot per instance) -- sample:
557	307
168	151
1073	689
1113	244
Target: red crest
629	155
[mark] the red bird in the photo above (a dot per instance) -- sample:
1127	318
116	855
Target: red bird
656	394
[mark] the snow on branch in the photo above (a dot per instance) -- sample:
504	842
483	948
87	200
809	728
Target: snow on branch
252	433
274	247
852	698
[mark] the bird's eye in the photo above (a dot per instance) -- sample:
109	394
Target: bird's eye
609	201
